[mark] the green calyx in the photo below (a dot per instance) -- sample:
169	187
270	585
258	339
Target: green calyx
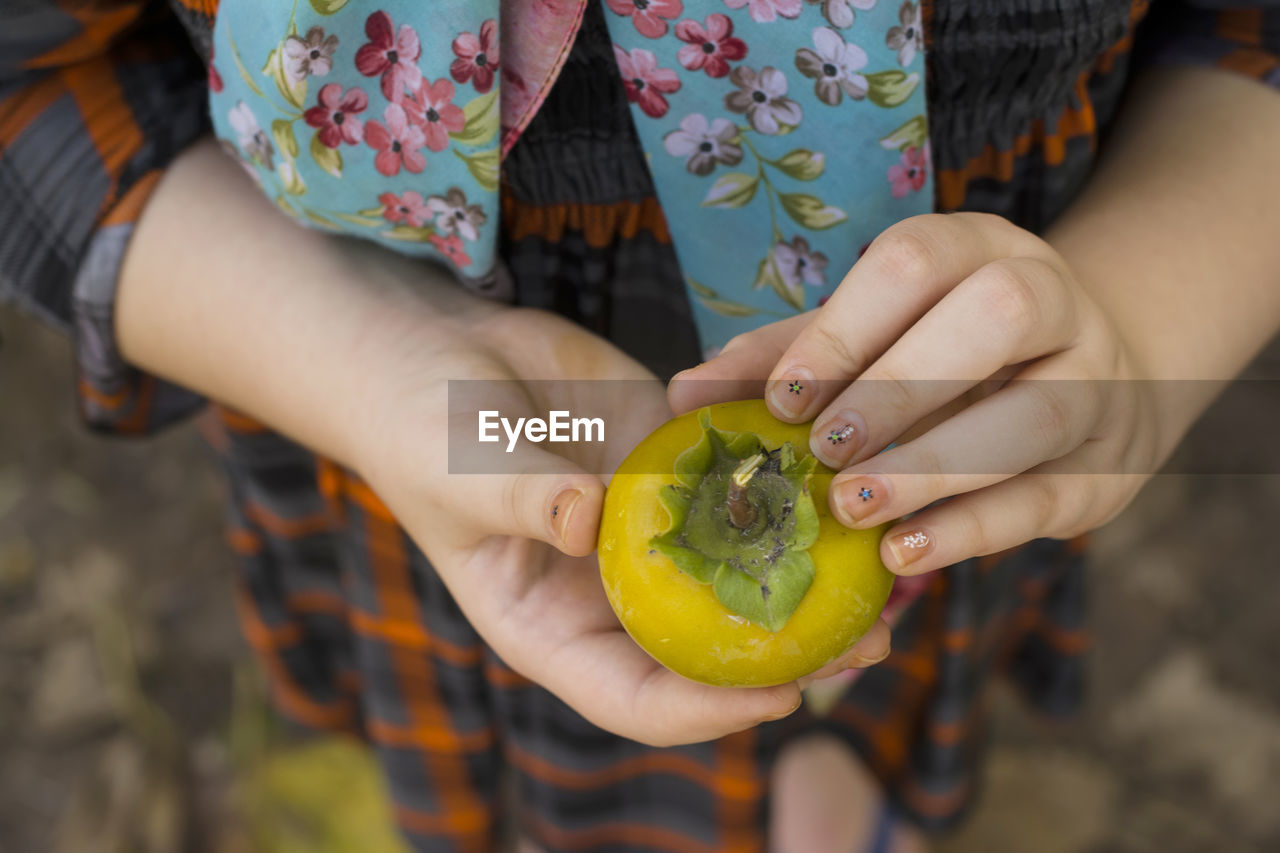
742	520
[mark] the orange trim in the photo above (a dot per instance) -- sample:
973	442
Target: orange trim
129	207
107	117
206	7
472	821
317	601
600	224
740	788
1243	25
237	422
629	835
99	28
465	815
413	636
285	694
20	109
244	542
736	765
441	738
286	528
1249	61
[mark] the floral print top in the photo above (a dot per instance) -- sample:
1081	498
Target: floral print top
794	131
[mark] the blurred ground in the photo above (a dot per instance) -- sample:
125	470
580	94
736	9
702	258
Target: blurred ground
130	721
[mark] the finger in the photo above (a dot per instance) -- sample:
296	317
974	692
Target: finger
1058	500
658	707
871	648
1009	311
538	496
738	372
904	272
1025	423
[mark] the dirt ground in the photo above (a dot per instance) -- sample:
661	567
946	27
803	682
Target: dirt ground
130	719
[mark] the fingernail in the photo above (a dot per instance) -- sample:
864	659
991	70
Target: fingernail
782	714
562	512
909	547
836	442
859	498
858	661
792	394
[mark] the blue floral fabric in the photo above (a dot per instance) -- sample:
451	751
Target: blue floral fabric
782	135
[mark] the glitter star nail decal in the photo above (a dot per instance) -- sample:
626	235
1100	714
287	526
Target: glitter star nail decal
865	494
795	387
841	435
555	510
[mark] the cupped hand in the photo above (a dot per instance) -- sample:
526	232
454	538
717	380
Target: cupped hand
515	548
970	343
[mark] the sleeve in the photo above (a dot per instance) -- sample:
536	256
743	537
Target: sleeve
95	100
1241	36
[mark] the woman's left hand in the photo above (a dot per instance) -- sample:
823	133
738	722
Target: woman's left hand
969	342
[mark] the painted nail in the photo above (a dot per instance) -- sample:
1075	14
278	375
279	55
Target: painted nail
838	440
562	512
859	498
792	395
910	546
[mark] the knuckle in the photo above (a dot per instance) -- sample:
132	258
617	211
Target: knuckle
1011	298
1043	503
829	340
1049	416
973	530
906	251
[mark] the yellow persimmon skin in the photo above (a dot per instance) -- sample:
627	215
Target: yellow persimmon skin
679	621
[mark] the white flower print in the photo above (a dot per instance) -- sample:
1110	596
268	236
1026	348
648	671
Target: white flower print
840	12
796	263
763	98
704	144
833	66
454	215
310	55
908	38
255	144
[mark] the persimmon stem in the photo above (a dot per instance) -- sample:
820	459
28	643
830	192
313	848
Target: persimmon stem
741	512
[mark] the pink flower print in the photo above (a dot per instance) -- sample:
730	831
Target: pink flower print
909	175
644	81
712	48
215	79
392	54
648	15
477	57
431	107
408	209
310	55
451	248
335	116
397	143
764	11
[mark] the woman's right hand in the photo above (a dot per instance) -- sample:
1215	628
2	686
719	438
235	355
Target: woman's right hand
515	548
348	349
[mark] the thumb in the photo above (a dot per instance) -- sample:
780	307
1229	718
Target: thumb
538	495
